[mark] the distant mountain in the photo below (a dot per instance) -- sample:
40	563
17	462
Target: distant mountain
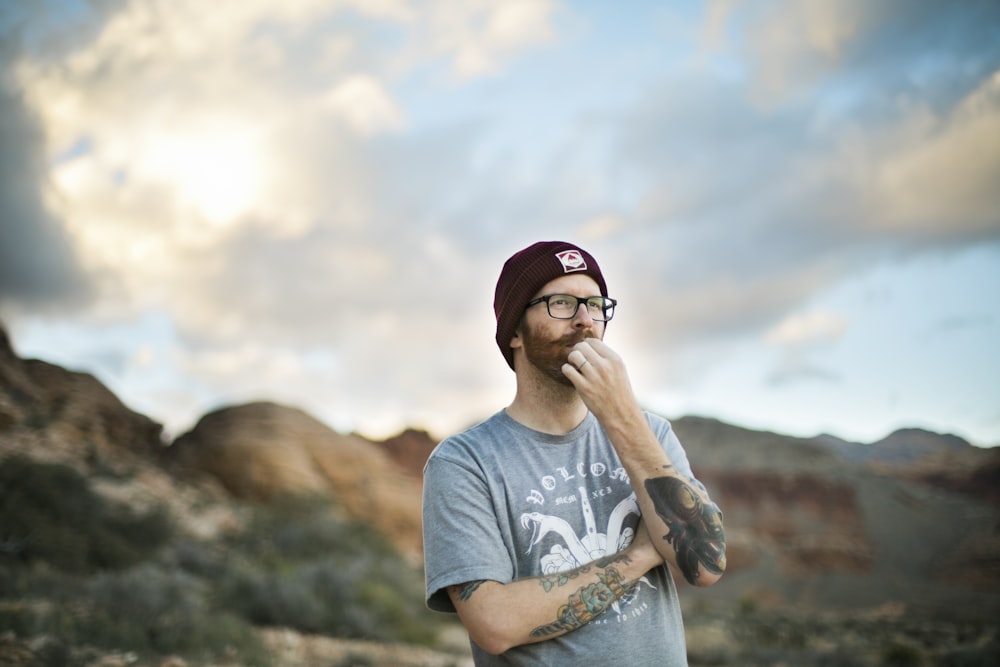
902	447
810	523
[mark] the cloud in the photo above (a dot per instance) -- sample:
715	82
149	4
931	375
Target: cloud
751	207
364	103
857	50
38	264
321	194
480	35
246	172
795	371
941	180
808	327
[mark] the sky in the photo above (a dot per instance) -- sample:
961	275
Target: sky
797	204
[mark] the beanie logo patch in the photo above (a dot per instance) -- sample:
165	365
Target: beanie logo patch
571	261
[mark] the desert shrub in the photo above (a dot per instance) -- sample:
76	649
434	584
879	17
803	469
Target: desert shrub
897	654
980	655
747	605
302	567
300	528
150	610
38	581
48	513
155	611
770	630
841	658
354	659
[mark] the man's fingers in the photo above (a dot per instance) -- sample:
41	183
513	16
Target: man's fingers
578	359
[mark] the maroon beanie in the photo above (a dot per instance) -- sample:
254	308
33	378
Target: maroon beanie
525	273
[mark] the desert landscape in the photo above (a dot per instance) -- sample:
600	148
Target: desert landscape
263	537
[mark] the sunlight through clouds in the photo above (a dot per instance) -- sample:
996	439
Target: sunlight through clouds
217	167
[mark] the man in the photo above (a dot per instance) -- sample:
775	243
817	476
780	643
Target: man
549	526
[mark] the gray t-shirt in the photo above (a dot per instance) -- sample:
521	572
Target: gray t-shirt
503	502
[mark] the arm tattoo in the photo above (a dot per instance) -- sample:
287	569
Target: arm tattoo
587	603
466	590
695	526
562	578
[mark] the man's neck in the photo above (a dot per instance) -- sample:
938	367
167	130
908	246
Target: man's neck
547	406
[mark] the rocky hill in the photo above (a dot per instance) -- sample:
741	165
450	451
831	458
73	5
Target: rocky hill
67	415
262	450
808	527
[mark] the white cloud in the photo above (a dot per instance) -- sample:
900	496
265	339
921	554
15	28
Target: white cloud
481	35
808	327
364	103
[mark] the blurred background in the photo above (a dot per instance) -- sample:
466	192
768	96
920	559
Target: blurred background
267	234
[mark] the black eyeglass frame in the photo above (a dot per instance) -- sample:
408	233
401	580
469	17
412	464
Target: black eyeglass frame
579	300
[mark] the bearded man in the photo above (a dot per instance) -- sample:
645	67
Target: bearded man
550	527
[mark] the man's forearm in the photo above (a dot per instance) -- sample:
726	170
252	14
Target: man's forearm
588	601
547	606
694	527
684	524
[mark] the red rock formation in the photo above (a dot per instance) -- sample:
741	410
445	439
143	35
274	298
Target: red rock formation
263	450
410	449
806	522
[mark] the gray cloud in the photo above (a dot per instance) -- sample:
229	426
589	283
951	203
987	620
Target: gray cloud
37	263
39	266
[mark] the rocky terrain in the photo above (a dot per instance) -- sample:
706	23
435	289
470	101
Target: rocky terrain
839	553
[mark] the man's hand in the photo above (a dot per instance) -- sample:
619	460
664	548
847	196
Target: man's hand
600	377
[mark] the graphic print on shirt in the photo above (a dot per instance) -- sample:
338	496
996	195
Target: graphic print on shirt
572	550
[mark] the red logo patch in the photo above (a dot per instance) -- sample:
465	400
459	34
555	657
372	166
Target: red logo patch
572	261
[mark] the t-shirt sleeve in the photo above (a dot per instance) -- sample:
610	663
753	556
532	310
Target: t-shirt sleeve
462	540
672	445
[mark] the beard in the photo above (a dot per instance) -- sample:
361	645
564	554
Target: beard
548	355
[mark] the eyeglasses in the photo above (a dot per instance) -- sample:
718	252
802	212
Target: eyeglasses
565	306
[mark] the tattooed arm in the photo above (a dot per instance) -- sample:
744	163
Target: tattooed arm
501	616
684	524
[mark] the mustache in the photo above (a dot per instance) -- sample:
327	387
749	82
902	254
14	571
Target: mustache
575	337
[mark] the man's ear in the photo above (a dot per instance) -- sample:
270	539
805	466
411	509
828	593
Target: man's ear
516	341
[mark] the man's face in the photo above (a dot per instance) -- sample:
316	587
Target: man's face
547	341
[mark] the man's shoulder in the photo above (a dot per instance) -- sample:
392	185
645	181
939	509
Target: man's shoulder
473	439
657	421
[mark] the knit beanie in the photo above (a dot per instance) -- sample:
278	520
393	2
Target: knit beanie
525	273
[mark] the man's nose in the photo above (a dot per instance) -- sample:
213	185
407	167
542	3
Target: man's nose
585	318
